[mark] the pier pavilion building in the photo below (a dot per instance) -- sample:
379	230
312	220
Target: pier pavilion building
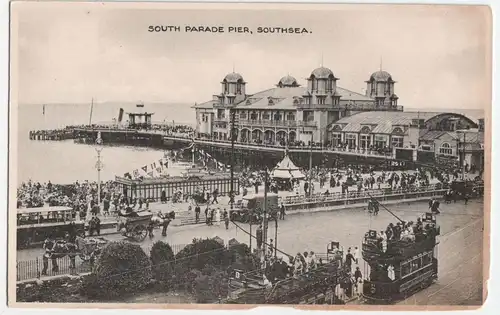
290	111
323	112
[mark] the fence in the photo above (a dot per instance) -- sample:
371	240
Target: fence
291	200
32	269
152	188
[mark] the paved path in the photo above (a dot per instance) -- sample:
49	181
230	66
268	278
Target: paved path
460	269
312	231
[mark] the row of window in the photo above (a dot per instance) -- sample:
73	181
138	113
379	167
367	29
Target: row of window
315	85
267	116
238	88
387	88
444	149
365	140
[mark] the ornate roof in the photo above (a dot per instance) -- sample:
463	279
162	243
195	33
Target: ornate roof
322	73
233	77
381	76
288	81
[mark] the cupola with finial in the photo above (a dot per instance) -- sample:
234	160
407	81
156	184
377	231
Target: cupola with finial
380	87
233	88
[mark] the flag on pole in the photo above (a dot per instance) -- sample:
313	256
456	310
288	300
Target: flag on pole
142	172
136	173
159	171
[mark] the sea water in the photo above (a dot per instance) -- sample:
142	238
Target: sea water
64	162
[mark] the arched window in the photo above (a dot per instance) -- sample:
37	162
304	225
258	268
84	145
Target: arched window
314	84
445	149
365	129
397	130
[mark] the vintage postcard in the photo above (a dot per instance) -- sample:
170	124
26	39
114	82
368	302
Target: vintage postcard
179	155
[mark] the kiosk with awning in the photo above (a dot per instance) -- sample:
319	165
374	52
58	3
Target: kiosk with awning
286	170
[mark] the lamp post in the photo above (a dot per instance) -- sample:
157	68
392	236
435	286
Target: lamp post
462	154
98	166
233	139
310	169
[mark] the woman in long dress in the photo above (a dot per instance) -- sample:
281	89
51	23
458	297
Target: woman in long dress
217	217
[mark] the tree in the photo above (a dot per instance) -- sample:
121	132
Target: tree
121	268
162	262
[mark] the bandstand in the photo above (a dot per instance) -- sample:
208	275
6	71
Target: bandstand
139	117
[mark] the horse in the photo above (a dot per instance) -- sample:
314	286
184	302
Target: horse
55	249
86	248
162	220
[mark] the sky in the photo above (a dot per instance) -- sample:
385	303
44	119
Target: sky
72	52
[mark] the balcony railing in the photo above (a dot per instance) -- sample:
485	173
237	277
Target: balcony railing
360	107
310	123
267	123
221	119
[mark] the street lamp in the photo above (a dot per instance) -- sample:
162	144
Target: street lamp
462	154
98	165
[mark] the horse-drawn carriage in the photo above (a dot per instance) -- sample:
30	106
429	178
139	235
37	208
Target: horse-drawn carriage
134	225
88	249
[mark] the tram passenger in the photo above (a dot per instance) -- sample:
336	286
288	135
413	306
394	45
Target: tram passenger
397	231
390	232
314	261
307	264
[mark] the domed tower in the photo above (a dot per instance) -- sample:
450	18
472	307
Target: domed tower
380	87
321	87
287	81
233	89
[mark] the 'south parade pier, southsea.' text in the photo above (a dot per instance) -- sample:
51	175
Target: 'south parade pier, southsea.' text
228	29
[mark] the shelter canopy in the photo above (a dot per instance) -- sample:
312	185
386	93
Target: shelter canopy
286	169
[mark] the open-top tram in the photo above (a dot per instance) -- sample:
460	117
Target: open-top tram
400	268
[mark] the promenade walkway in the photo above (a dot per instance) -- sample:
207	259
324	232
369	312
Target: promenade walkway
242	145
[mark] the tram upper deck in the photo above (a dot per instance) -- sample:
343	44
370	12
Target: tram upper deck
402	245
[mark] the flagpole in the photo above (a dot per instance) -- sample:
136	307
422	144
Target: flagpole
91	110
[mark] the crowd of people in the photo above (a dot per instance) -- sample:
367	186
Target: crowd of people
278	268
81	197
403	231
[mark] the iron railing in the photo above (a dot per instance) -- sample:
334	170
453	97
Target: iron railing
32	269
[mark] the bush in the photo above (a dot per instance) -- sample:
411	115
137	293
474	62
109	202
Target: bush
202	252
162	258
211	285
242	258
121	268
